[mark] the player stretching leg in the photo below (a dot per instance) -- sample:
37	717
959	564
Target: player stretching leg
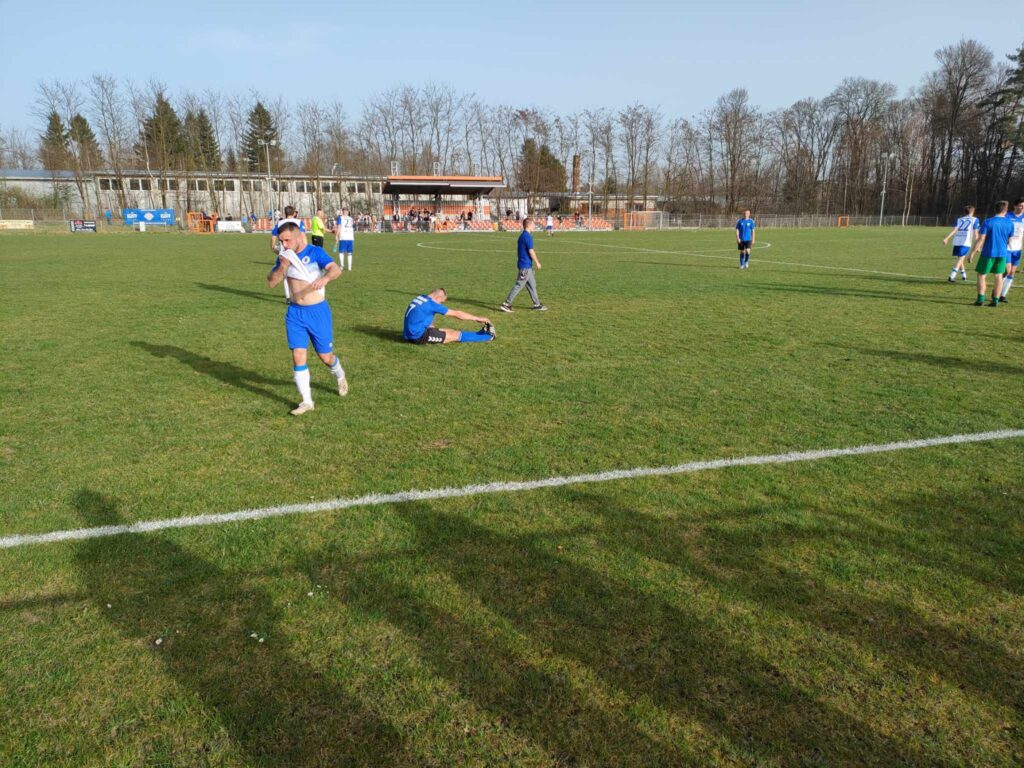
307	270
419	317
993	241
963	238
346	233
1016	241
745	238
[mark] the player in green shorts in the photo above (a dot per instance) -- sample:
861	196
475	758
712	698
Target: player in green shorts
994	243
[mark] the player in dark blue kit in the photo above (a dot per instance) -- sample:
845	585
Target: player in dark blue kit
745	238
419	321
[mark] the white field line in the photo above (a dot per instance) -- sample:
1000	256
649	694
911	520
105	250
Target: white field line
376	499
705	255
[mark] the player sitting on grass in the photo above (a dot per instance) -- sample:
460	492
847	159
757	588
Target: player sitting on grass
1016	242
963	238
993	243
419	318
307	270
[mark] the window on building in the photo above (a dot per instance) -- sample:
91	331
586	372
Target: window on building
167	185
351	189
377	188
330	186
223	185
361	188
279	186
255	185
200	185
108	184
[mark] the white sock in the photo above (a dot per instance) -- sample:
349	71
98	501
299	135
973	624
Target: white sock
350	262
336	369
302	382
952	275
1007	283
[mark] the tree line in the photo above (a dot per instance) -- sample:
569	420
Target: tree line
957	137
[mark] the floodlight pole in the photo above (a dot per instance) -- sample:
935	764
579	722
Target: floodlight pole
885	178
267	143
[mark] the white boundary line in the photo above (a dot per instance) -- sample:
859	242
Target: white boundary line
759	260
376	499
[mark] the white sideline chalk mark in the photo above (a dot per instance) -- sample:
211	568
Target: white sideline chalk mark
376	499
705	255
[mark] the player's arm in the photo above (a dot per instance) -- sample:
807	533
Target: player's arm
331	272
277	274
460	315
977	247
945	240
273	243
534	259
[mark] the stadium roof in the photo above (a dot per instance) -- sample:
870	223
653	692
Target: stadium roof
442	185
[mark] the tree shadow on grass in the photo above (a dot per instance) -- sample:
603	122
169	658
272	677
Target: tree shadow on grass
735	564
229	373
638	645
277	708
822	290
984	365
241	292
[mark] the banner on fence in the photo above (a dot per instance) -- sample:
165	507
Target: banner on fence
82	225
17	224
148	216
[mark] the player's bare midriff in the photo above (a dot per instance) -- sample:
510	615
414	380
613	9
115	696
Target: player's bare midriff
302	293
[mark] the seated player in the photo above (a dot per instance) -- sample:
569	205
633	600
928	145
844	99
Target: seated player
963	235
419	317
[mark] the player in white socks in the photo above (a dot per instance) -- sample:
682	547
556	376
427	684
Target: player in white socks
345	232
306	269
1016	241
963	235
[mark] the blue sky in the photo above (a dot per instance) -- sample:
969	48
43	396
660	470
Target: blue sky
565	55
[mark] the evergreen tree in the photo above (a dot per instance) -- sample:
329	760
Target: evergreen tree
261	129
231	160
85	140
54	148
161	137
203	148
539	170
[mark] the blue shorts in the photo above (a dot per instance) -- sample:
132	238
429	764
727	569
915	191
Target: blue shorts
345	246
1013	258
960	250
313	322
549	228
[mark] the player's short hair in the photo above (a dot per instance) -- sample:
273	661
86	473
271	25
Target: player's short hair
1002	206
442	291
1018	201
288	226
526	220
289	211
968	209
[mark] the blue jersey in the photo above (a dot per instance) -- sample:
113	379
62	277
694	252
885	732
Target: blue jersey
524	246
745	227
997	232
311	254
302	225
419	315
1017	240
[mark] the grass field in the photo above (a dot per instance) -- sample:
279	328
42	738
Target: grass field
862	610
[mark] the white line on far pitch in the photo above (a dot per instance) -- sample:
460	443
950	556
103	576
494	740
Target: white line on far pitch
759	259
376	499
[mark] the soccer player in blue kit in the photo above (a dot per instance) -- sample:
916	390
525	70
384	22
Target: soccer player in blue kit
307	270
993	242
745	238
1016	243
526	263
419	321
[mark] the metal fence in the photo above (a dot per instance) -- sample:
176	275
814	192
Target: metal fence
647	220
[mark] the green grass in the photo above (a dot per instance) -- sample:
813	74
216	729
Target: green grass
855	611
